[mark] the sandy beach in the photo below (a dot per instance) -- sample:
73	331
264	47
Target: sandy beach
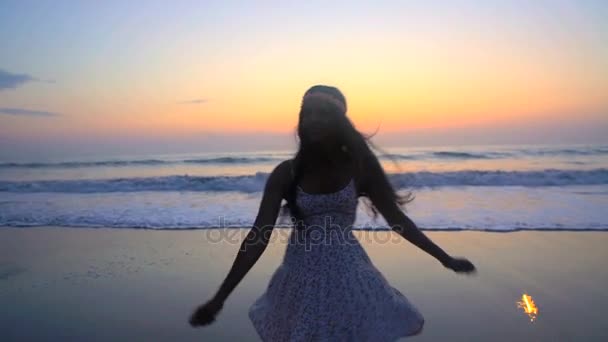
129	284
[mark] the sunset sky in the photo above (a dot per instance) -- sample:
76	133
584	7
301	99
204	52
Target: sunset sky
146	76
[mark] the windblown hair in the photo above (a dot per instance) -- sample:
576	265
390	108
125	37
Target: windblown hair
353	147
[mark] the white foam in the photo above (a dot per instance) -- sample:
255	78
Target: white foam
253	183
483	208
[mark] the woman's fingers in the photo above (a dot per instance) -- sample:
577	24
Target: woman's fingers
202	316
462	265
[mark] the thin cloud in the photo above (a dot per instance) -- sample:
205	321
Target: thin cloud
195	101
11	81
26	112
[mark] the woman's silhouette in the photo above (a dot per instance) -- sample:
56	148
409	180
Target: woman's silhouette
327	288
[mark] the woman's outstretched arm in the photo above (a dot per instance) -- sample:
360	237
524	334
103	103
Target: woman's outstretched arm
252	247
376	185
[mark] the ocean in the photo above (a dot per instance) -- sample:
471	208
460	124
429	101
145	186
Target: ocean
491	188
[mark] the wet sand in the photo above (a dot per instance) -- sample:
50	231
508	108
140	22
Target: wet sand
128	284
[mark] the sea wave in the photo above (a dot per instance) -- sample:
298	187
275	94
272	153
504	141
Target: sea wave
231	160
276	158
115	163
255	183
566	152
468	155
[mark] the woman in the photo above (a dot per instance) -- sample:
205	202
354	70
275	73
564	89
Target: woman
327	288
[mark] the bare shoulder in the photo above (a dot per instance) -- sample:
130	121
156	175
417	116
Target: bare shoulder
280	177
283	170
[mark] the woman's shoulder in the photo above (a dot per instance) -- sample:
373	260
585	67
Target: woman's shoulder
282	174
285	168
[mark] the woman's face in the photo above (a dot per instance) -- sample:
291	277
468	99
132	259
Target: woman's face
320	117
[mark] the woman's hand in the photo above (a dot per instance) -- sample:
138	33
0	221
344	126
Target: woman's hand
205	314
460	265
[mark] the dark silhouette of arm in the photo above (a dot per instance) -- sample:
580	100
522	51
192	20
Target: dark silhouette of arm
257	239
252	247
376	185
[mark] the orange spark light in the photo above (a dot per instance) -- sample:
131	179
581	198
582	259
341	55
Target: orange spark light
529	306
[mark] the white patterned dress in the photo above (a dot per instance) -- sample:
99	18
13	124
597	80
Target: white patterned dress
327	288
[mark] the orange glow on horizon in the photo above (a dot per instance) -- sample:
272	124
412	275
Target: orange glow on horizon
212	68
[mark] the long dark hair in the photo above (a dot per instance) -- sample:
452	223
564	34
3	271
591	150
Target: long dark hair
353	146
